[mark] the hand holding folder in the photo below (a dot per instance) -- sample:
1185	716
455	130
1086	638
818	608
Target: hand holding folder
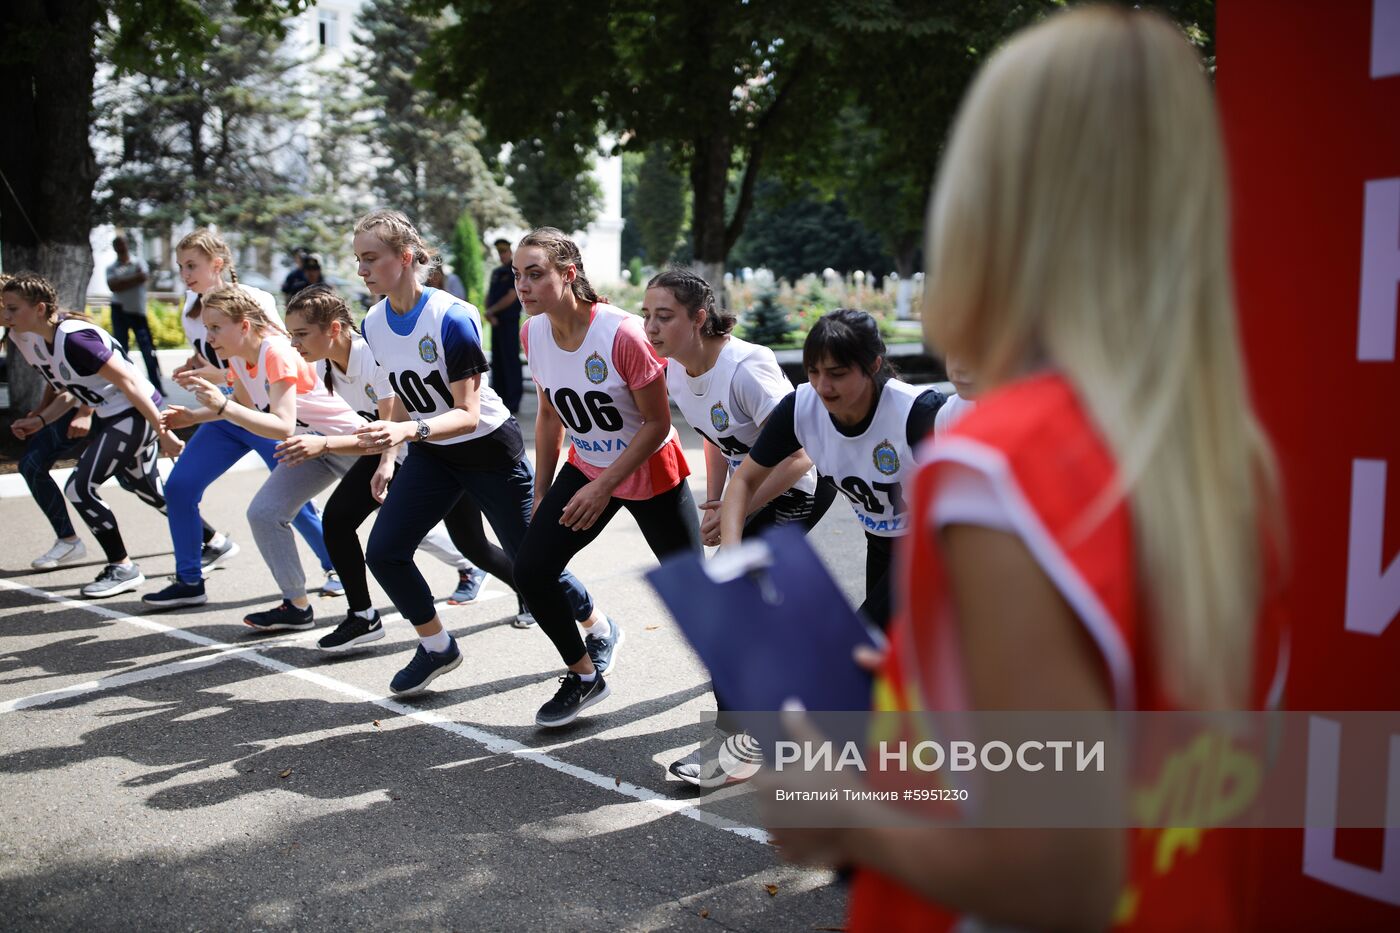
771	625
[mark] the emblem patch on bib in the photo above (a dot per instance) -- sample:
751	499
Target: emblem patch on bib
886	458
64	372
719	417
595	369
373	395
427	349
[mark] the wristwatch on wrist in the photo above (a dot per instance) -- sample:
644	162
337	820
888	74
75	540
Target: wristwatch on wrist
423	431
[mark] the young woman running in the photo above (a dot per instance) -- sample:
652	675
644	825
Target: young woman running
600	383
726	388
204	260
276	394
323	329
127	436
860	426
1093	536
43	447
462	440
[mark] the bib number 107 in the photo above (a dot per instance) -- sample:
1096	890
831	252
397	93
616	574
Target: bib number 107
868	498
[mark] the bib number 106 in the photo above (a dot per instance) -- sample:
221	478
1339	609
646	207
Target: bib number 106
581	414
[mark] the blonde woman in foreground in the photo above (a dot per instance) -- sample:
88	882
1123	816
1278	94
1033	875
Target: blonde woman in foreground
1089	538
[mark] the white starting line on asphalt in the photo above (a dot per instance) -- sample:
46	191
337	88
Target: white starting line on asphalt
490	741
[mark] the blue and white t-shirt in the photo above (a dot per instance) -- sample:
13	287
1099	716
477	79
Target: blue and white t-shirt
424	351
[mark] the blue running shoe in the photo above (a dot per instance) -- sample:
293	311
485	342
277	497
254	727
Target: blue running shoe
468	586
603	650
425	667
178	593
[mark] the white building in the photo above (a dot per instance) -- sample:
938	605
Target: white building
325	33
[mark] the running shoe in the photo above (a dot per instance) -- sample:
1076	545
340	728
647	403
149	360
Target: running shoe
523	617
114	579
352	633
62	552
211	556
332	586
425	667
603	651
723	759
468	586
573	697
178	593
283	618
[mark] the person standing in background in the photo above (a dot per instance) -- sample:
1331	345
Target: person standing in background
503	311
127	279
296	280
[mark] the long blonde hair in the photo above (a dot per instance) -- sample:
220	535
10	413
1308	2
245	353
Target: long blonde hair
1079	222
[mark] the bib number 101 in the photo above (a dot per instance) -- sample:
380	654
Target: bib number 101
413	389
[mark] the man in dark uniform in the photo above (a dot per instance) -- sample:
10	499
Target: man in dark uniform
503	312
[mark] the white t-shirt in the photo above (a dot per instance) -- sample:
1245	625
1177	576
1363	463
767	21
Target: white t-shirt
951	413
729	403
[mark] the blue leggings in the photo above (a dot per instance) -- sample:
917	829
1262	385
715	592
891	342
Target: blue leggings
215	447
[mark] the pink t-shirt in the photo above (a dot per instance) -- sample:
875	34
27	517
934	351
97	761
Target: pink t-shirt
317	407
636	361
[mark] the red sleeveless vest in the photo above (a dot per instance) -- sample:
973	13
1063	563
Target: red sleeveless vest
1051	468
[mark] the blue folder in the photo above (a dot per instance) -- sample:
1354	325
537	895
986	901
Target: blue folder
770	624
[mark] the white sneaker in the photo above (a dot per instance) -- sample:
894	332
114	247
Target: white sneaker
62	552
723	759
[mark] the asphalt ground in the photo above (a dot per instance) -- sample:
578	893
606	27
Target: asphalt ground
178	771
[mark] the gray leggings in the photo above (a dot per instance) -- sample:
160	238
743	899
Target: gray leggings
279	500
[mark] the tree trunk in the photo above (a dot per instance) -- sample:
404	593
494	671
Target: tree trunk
46	207
905	259
709	180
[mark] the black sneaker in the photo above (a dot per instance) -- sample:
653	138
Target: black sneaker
210	556
352	633
574	696
425	667
603	651
283	618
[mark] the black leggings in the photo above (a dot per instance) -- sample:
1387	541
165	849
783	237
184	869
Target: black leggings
668	522
121	445
352	502
878	552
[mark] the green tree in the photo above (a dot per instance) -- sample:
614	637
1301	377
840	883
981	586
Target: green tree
425	157
554	186
631	240
49	74
215	140
767	322
466	258
725	85
797	231
659	208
